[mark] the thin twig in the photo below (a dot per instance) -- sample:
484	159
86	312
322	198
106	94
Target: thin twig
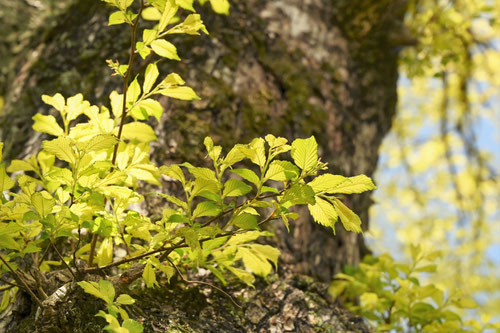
62	259
202	282
22	281
12	284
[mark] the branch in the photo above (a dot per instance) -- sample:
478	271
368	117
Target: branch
203	282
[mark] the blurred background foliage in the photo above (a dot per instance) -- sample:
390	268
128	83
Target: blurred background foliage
438	176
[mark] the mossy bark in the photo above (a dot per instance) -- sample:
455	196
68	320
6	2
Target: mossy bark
292	68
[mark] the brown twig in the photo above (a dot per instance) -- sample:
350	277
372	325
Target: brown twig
22	281
62	259
203	282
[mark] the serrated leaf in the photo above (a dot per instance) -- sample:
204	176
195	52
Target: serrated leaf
247	175
206	208
138	131
99	142
246	221
243	275
61	148
204	185
356	184
7	242
150	77
257	153
265	189
326	182
235	188
47	124
20	165
234	156
299	194
42	203
282	171
305	153
323	213
165	49
183	93
349	219
173	171
254	261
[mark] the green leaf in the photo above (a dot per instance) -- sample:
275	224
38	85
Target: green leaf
107	290
234	156
7	242
183	93
246	221
5	182
138	131
206	208
42	203
254	261
20	165
105	252
356	184
299	194
349	219
148	36
165	49
133	92
151	14
1	151
326	182
305	153
243	275
133	326
125	299
147	108
247	175
465	303
149	276
56	101
186	4
167	15
173	171
47	124
150	77
282	171
117	18
323	213
92	289
100	142
220	6
61	148
235	188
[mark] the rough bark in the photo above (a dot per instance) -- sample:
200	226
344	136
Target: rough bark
292	68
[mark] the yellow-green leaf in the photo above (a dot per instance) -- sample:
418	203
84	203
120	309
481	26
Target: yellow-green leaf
235	188
105	252
61	148
42	203
137	131
323	213
165	49
149	276
305	153
167	15
183	93
356	184
349	219
117	18
146	108
220	6
150	77
47	124
57	101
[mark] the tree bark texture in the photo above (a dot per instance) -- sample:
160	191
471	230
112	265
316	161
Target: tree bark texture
293	68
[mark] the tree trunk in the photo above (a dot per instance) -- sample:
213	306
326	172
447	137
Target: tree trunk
293	68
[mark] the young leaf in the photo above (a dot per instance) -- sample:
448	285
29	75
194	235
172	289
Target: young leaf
133	326
105	252
107	290
61	147
349	219
326	182
47	124
186	4
42	203
133	92
323	213
254	261
117	18
246	221
220	6
56	101
149	276
100	142
235	188
299	194
282	171
165	49
138	131
125	299
150	78
305	153
167	15
356	184
147	108
206	208
92	289
247	175
183	93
